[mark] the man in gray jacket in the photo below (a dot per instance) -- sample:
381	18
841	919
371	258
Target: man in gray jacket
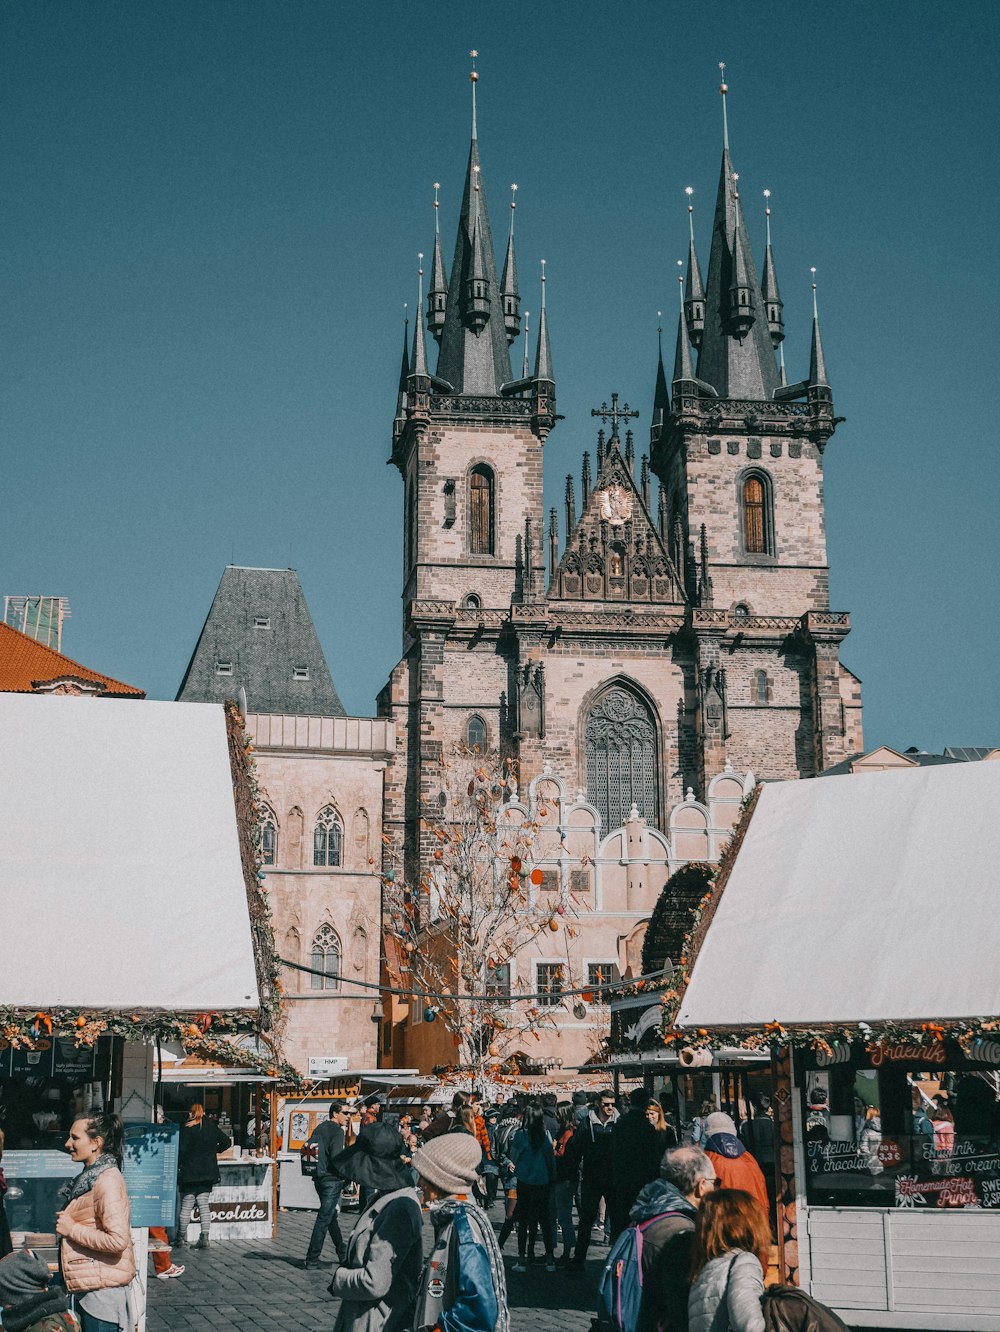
328	1140
667	1208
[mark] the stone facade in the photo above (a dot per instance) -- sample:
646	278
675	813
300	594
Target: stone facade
681	638
307	767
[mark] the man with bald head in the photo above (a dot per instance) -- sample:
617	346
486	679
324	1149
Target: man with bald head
686	1175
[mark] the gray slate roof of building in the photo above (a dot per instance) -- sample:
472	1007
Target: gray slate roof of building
264	661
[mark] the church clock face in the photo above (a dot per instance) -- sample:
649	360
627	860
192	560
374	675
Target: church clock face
615	505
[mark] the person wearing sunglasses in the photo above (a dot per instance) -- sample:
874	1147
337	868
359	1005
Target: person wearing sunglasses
591	1145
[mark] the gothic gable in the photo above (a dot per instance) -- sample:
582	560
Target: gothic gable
615	552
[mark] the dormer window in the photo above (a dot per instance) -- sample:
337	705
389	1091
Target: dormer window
262	621
223	668
300	672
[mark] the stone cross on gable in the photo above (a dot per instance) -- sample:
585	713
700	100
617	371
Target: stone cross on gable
614	414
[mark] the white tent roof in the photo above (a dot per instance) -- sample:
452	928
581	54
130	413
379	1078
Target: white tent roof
121	884
859	898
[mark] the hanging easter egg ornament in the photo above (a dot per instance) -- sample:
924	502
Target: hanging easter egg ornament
536	876
553	925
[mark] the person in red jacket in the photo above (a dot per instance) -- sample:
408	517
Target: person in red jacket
734	1165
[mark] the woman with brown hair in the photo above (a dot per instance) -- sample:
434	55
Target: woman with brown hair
732	1239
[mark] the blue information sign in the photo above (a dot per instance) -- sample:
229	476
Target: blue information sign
151	1152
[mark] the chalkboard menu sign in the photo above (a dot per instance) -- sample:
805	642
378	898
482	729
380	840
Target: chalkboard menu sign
151	1152
34	1180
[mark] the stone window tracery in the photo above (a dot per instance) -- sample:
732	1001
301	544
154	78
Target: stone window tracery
621	758
327	838
326	956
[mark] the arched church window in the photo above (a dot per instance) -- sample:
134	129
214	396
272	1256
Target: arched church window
473	602
760	687
621	758
325	959
475	735
481	518
757	525
268	837
327	838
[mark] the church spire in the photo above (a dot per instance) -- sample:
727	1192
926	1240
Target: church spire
508	283
683	370
404	372
769	285
437	296
474	358
418	363
735	356
543	357
817	363
526	368
694	306
661	394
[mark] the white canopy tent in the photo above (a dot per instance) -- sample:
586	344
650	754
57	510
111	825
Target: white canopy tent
859	898
121	884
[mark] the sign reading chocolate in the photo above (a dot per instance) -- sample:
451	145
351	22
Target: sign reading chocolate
228	1212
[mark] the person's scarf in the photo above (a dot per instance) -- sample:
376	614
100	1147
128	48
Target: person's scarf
88	1176
34	1309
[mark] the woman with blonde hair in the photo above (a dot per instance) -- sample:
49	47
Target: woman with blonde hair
198	1171
732	1239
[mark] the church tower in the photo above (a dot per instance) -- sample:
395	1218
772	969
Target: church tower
739	453
467	440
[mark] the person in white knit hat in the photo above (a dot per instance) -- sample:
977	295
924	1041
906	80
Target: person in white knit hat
463	1283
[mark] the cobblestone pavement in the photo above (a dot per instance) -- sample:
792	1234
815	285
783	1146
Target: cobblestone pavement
250	1284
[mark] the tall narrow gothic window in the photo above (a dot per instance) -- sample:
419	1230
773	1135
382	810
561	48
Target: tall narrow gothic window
760	687
621	758
756	517
481	511
327	838
325	959
475	735
268	838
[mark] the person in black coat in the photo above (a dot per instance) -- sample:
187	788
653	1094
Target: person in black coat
635	1159
198	1171
329	1139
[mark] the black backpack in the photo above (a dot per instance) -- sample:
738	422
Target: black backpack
788	1309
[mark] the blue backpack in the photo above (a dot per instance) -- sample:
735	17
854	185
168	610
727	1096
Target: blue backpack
457	1293
619	1290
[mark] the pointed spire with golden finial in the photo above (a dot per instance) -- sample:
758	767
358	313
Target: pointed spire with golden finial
526	367
683	370
473	79
661	394
724	90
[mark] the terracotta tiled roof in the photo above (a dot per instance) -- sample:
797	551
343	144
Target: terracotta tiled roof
25	663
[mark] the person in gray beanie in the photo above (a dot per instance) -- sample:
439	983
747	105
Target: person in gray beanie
27	1303
448	1168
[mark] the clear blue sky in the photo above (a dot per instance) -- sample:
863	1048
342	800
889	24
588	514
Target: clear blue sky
209	219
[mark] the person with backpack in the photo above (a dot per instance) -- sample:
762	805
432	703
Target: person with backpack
592	1146
377	1281
462	1287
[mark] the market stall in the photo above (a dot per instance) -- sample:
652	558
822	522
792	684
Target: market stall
860	916
135	832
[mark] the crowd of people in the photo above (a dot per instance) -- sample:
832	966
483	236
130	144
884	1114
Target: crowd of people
561	1172
558	1170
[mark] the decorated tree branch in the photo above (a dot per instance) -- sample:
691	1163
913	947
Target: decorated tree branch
475	908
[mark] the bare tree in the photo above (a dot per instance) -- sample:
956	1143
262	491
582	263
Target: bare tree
476	908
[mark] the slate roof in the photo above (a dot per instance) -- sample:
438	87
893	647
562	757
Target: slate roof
259	625
25	663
